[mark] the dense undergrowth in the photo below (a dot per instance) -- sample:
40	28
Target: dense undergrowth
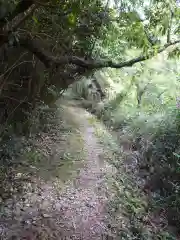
141	108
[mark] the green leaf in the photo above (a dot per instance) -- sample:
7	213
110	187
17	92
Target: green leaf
176	155
72	19
35	19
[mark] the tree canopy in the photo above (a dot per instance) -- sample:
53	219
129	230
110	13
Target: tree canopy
75	38
97	33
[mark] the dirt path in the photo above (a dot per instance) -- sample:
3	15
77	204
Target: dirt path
78	211
87	195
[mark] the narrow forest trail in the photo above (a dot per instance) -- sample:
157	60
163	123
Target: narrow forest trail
78	210
85	199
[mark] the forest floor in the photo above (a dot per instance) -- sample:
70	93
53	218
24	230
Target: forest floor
69	181
60	186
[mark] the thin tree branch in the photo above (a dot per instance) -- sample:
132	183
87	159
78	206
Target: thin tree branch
5	124
95	39
10	68
149	37
21	7
161	93
44	4
10	29
25	16
34	47
169	27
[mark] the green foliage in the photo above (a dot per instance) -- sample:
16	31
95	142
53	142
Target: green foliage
153	129
106	29
92	29
175	53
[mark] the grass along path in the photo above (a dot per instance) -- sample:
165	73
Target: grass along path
132	213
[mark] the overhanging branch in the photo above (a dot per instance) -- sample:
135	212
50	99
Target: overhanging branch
49	60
